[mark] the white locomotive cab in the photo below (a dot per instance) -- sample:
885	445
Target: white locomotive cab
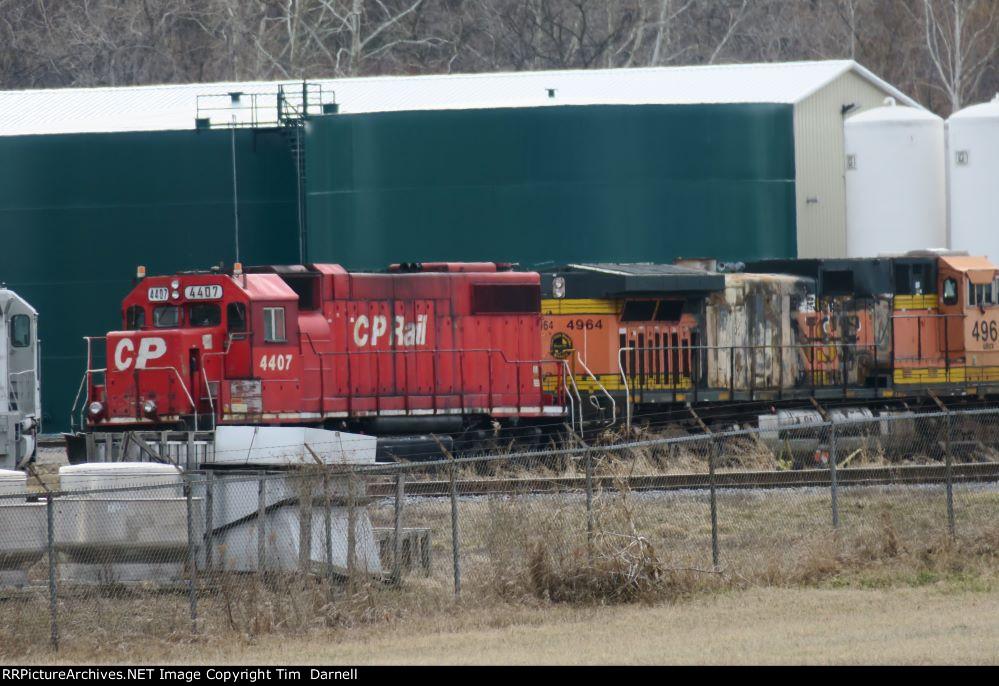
20	401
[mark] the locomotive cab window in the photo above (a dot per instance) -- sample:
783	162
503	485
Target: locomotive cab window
135	318
274	325
20	331
166	317
204	314
236	316
950	292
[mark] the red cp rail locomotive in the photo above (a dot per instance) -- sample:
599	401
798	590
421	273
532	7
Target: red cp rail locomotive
442	347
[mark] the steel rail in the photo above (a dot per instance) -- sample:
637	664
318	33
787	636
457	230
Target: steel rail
810	478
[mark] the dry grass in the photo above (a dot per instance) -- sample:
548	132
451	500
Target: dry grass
931	624
529	559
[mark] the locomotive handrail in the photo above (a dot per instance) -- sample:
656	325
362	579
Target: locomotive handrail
540	363
211	403
208	388
568	395
566	379
729	348
627	390
15	391
602	388
498	351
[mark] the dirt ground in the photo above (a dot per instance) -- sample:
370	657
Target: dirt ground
942	623
772	626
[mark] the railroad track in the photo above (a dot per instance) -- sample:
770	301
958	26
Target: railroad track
810	478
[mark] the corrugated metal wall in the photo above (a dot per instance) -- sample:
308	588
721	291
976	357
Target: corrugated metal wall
79	212
821	162
611	183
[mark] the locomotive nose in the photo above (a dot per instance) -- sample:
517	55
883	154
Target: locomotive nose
147	379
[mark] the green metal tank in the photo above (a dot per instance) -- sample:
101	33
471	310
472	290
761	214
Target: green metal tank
529	185
79	212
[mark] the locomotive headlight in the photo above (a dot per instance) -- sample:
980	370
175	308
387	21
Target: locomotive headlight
96	409
149	408
175	295
175	284
558	287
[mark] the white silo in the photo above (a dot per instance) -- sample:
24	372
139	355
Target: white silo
896	194
973	165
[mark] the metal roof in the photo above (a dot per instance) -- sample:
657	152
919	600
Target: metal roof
175	107
266	287
601	280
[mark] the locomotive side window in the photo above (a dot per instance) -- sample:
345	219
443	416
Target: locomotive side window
950	292
236	315
274	325
166	317
980	294
135	318
204	314
20	331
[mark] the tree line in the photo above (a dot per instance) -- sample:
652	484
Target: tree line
942	52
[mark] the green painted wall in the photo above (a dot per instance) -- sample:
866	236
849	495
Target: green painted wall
79	212
625	183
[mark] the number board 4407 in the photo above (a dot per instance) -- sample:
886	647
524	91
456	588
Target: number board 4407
203	292
277	362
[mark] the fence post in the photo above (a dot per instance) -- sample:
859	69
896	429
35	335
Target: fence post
209	518
328	524
261	518
833	486
455	546
53	604
949	470
192	556
589	496
400	495
304	522
351	526
712	454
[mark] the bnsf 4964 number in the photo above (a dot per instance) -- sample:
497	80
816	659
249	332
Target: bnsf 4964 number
270	363
584	324
985	331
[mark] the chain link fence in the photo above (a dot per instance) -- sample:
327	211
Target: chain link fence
149	552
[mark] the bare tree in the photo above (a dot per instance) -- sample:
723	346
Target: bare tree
940	51
962	39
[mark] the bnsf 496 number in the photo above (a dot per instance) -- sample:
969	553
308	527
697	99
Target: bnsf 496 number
985	331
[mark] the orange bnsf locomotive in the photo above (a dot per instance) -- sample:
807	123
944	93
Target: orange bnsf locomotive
423	348
736	340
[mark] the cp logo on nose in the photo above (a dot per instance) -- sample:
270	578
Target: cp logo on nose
150	348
